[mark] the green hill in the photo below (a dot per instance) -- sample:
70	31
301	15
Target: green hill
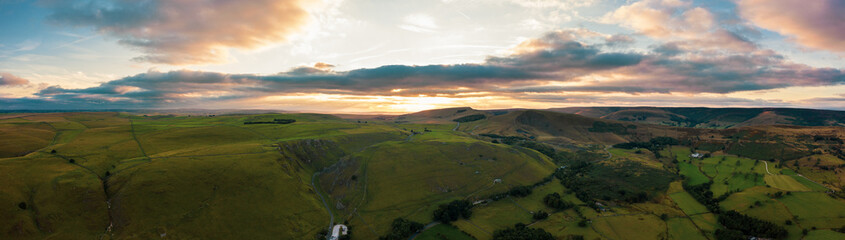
713	117
104	175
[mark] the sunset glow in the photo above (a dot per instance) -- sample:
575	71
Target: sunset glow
350	56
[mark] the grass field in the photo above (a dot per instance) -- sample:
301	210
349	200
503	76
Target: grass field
692	174
786	183
643	226
687	203
815	209
824	235
683	229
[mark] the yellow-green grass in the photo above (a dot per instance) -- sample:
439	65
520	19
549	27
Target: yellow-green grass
692	174
676	186
706	222
810	184
410	179
63	201
645	157
743	200
815	209
681	153
824	235
199	141
563	224
534	202
443	231
784	182
731	173
643	226
494	216
682	228
21	138
687	203
233	196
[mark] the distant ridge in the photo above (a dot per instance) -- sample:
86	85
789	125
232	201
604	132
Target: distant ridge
701	117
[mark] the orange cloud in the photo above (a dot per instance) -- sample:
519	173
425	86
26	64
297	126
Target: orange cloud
677	21
816	24
7	79
183	32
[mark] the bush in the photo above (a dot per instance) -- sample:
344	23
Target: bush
447	213
470	118
401	229
520	191
582	223
540	215
22	205
521	232
751	226
553	200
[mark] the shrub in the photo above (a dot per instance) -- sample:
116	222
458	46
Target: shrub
402	229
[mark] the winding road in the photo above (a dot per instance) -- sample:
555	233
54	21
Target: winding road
767	167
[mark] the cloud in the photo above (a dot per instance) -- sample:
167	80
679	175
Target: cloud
185	32
691	28
8	80
419	23
558	63
815	24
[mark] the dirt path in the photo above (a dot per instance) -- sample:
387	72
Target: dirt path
456	127
767	167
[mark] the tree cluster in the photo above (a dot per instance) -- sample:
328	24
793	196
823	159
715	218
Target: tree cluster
554	200
750	226
540	215
447	213
521	232
520	191
401	229
703	195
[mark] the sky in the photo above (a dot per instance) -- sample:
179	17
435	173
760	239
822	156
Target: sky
396	56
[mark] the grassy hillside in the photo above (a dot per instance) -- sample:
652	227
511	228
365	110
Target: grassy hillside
714	117
105	175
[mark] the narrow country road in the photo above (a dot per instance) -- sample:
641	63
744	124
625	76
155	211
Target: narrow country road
325	204
767	167
456	127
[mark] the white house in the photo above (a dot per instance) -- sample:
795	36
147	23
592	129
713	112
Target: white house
696	155
338	230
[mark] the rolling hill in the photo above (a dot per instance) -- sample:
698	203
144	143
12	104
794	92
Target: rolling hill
107	175
713	117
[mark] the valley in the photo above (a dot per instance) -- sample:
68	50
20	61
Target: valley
457	173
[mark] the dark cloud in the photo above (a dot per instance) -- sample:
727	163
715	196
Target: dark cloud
556	57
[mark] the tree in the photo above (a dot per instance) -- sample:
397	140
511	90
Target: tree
22	205
402	229
540	215
521	232
553	200
447	213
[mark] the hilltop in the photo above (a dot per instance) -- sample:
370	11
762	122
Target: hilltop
713	117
